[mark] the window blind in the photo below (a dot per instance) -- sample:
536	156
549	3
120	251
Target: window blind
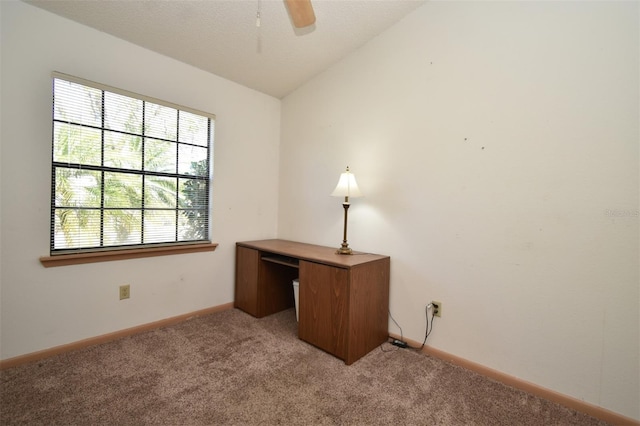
127	171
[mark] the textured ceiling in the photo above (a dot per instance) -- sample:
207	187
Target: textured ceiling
221	36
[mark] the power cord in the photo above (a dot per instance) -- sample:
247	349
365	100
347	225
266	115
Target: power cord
428	330
398	343
401	344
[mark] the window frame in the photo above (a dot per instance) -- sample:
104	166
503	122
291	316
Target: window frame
60	257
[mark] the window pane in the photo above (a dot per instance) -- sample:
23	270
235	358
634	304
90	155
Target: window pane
194	200
122	190
160	156
159	226
76	228
119	170
122	113
122	227
76	144
76	103
122	151
194	193
160	192
193	225
192	160
77	188
194	129
160	121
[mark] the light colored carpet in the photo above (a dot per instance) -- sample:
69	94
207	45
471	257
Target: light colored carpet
229	368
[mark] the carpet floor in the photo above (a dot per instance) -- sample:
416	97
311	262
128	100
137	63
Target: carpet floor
229	368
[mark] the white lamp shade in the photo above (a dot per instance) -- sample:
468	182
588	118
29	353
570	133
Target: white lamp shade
347	186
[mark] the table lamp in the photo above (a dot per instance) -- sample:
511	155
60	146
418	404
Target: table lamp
347	187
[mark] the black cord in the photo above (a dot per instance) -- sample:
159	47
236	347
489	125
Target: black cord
398	325
428	330
395	348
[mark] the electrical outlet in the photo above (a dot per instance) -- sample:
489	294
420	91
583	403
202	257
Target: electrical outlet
437	308
124	291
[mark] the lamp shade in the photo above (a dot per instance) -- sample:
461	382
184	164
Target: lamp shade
347	186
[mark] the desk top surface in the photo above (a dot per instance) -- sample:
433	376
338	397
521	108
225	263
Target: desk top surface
311	252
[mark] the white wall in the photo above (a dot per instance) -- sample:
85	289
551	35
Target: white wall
497	147
42	308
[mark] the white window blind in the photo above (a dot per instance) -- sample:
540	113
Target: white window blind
127	171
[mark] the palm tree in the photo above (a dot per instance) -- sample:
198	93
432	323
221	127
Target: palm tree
114	206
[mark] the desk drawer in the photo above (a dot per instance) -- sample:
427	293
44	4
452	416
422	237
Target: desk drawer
323	307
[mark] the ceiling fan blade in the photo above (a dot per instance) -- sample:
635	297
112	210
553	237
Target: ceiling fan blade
301	12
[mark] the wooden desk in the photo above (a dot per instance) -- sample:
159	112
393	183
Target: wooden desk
343	301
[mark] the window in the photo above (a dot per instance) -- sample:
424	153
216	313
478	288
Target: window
127	171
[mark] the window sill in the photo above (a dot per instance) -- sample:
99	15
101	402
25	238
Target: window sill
107	256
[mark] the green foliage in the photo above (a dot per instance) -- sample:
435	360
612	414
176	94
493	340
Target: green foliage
195	202
96	208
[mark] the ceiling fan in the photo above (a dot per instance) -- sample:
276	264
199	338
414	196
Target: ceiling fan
301	12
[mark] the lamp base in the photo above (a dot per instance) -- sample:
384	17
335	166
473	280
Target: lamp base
345	249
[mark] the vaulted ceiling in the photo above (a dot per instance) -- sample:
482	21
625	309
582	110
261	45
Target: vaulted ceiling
222	36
